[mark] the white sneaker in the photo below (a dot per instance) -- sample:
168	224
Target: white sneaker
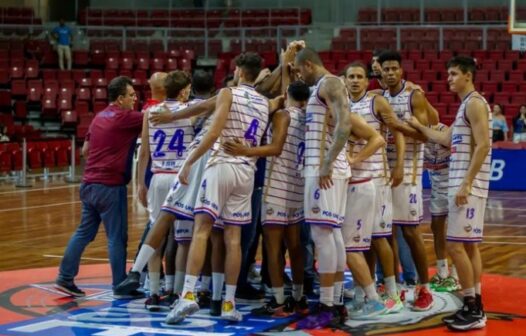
348	293
182	309
253	275
230	313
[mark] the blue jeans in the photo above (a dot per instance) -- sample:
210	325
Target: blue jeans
248	232
109	205
404	253
308	251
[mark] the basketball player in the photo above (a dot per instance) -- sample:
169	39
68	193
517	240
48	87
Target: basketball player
470	138
326	176
407	197
282	210
165	144
436	161
377	112
241	112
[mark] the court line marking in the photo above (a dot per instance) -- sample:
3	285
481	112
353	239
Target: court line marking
82	258
45	205
491	242
39	189
518	237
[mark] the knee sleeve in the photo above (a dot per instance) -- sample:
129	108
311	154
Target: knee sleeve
341	256
326	248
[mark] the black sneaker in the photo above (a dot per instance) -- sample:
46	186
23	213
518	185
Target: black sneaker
69	288
308	287
250	293
302	306
272	308
478	300
341	312
410	283
128	285
153	303
203	299
468	319
133	295
215	307
170	300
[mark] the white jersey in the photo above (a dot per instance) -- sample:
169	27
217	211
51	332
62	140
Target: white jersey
436	162
319	120
373	166
414	149
247	119
462	151
169	142
283	182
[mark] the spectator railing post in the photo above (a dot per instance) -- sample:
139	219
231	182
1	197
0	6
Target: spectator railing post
72	177
22	180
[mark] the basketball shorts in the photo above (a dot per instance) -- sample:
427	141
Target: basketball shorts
407	204
466	223
225	192
383	209
438	205
272	214
359	217
183	230
181	198
159	188
325	207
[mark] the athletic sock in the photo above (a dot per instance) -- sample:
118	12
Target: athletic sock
338	293
390	286
327	296
442	268
478	288
230	294
169	283
189	284
371	293
145	253
155	282
205	283
179	282
218	280
279	294
297	291
359	294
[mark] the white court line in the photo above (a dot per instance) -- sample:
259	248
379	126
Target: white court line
507	225
82	258
45	205
38	189
507	209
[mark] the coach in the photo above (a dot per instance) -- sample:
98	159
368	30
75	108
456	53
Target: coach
108	149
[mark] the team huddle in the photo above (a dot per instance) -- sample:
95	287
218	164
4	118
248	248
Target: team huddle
345	160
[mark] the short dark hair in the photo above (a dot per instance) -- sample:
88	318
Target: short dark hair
308	54
390	55
378	52
299	91
464	63
174	82
202	82
118	87
250	63
356	64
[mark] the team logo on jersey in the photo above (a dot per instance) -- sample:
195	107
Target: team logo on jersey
382	224
356	239
456	139
270	211
468	228
412	212
315	209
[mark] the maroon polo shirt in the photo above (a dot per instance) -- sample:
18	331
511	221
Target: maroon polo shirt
112	136
375	84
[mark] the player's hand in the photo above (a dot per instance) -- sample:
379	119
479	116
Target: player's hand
397	176
277	103
235	147
184	173
325	179
350	159
263	74
413	122
164	117
142	194
461	198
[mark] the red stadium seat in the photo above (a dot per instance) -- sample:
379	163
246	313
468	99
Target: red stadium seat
100	94
99	106
18	88
82	107
49	107
63	75
16	72
80	58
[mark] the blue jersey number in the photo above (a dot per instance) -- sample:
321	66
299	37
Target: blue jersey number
299	154
250	134
176	143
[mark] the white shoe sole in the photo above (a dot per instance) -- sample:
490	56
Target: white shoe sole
233	318
174	318
475	325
